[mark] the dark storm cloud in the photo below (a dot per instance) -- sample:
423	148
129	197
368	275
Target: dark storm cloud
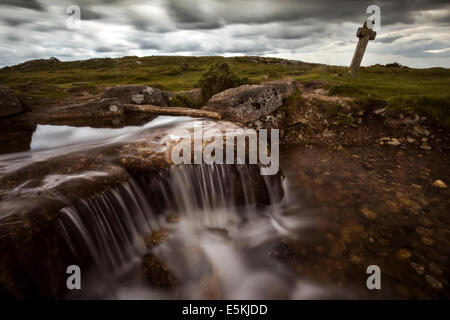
28	4
188	12
14	22
319	28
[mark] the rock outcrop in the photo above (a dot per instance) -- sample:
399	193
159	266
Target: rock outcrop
248	103
9	103
139	95
103	108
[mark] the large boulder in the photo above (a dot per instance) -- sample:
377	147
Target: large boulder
9	103
133	94
193	96
248	103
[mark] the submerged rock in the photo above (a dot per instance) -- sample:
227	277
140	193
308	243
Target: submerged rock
403	254
433	282
248	103
9	103
440	184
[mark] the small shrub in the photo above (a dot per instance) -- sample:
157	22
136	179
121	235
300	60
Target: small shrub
273	74
185	66
179	101
218	78
393	65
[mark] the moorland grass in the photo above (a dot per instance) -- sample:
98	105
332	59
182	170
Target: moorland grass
425	91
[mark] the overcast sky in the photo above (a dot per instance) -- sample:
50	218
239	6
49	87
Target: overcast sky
413	32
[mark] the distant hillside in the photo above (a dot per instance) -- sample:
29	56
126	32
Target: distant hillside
47	82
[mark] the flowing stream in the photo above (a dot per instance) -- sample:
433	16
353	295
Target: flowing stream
220	228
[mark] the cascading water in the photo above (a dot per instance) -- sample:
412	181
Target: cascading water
221	235
141	230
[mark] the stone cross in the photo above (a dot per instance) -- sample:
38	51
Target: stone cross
364	34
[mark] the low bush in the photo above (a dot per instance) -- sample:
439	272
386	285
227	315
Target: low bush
218	78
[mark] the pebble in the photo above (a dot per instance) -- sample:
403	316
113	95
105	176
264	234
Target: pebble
379	111
440	184
433	282
403	254
424	232
418	268
434	268
394	142
368	213
427	241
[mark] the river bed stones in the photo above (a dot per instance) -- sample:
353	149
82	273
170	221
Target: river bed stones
440	184
433	282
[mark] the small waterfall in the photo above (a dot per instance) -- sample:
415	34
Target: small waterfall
109	226
107	231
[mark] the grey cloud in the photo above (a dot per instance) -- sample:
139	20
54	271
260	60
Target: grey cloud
146	45
251	27
88	14
14	22
104	49
387	39
28	4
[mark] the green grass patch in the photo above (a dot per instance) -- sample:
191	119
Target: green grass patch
421	90
435	108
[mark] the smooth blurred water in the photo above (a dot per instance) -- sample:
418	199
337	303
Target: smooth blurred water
51	136
53	140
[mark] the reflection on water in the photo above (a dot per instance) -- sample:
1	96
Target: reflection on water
54	140
50	136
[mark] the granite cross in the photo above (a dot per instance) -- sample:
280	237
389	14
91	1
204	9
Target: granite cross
364	34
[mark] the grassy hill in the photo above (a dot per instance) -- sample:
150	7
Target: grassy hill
47	82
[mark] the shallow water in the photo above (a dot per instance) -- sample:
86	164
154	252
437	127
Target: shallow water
53	140
215	249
